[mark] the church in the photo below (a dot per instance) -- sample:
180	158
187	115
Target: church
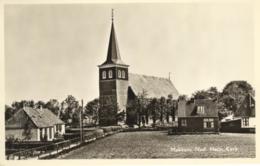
115	80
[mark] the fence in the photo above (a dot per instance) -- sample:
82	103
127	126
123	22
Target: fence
44	151
55	149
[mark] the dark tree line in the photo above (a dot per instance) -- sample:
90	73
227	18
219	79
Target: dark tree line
139	110
67	110
230	99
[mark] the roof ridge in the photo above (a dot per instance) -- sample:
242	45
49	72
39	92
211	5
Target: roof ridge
44	114
164	78
29	116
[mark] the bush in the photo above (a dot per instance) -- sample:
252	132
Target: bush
99	133
68	136
111	128
107	129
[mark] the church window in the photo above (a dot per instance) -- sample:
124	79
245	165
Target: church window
104	75
123	74
119	73
110	74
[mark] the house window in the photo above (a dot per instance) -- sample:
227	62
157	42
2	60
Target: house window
245	121
119	73
58	128
41	133
208	123
200	110
123	74
183	122
50	132
110	74
104	76
45	133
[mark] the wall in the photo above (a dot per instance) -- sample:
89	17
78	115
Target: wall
252	122
18	133
122	87
195	124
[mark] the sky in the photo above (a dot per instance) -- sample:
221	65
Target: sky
53	50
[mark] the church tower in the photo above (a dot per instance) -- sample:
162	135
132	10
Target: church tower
113	74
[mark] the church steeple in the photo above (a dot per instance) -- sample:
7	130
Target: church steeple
113	54
113	79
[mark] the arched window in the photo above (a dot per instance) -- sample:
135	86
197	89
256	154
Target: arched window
123	74
110	74
104	76
119	73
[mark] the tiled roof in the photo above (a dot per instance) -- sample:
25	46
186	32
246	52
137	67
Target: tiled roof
42	117
155	87
189	109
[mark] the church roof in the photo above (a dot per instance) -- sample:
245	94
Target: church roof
113	54
155	87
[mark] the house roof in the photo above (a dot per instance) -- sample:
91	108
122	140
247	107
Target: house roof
155	87
42	117
189	108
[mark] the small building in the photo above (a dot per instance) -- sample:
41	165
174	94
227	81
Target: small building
30	124
243	119
198	115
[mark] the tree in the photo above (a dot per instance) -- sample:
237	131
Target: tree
9	111
153	107
39	104
211	93
108	111
20	104
235	92
27	132
54	106
91	110
183	97
142	112
232	97
162	103
170	108
70	115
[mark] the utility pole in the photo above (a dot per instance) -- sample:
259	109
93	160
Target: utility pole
80	122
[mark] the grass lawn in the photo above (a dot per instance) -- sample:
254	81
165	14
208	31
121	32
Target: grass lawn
157	144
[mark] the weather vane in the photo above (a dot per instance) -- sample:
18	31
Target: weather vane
112	15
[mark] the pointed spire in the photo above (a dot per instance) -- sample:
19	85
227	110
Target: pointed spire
112	15
113	54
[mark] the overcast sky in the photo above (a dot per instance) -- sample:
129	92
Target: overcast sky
52	51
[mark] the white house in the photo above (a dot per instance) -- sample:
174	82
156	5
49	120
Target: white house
30	124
